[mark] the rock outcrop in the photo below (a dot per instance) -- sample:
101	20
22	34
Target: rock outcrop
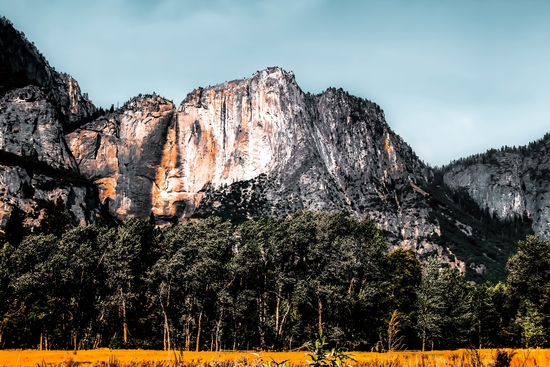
123	152
37	106
21	65
30	127
256	147
511	182
250	148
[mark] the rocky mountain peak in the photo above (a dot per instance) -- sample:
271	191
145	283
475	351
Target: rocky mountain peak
21	63
37	106
255	147
251	148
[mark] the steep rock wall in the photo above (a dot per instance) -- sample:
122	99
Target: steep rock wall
121	153
37	105
256	147
513	182
29	127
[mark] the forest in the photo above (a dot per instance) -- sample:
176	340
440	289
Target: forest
267	284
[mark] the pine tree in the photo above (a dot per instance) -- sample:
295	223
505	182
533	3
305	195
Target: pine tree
13	229
55	220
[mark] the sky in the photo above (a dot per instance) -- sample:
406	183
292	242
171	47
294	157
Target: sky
454	78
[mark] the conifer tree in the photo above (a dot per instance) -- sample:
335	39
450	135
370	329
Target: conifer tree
14	229
55	220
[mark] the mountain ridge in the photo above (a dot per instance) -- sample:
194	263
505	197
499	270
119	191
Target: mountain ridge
236	131
243	149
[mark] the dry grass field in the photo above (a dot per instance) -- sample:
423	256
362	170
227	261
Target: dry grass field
147	358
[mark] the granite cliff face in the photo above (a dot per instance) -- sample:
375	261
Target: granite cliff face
255	147
251	148
511	182
278	150
122	153
37	105
30	127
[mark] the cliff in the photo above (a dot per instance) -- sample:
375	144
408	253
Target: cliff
255	147
37	105
122	153
251	148
511	182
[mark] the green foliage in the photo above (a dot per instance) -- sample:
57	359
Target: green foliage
472	234
532	149
323	356
403	274
485	315
55	220
14	231
269	284
444	306
529	272
116	342
531	323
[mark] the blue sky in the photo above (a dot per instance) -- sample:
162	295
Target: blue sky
453	77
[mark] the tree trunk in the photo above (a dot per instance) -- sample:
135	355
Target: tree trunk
41	341
479	332
218	332
262	316
74	340
97	341
198	332
277	310
320	310
187	335
280	331
124	325
423	341
166	332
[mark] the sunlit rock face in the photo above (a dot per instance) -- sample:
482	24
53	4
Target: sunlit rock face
37	106
122	152
266	148
509	183
256	147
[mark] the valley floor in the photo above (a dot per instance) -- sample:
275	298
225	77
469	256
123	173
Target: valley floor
149	358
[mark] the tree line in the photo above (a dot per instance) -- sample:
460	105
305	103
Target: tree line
264	284
531	149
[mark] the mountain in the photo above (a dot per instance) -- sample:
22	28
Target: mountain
251	148
255	147
512	183
37	105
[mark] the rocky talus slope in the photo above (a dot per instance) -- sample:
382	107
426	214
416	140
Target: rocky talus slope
37	106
